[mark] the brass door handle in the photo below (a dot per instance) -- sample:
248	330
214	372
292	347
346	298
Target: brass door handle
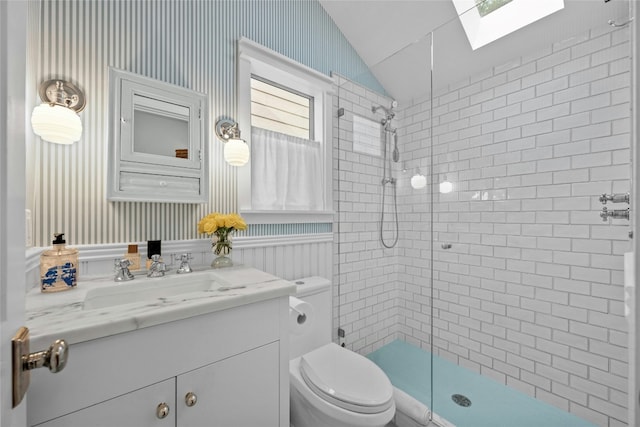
55	358
23	361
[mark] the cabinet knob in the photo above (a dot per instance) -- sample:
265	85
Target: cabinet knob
191	399
162	411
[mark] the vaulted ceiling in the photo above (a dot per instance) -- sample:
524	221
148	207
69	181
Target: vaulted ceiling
393	37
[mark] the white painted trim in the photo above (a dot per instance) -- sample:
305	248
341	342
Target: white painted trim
264	54
14	19
110	251
114	250
266	241
254	58
287	217
634	297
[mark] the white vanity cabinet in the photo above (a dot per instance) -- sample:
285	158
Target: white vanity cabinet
240	391
233	361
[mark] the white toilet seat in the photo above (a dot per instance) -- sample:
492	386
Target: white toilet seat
346	379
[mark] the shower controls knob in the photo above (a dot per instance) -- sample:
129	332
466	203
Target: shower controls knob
190	399
162	411
446	246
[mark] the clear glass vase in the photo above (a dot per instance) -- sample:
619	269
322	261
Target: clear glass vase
221	247
221	261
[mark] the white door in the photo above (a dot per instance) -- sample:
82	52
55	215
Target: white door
13	24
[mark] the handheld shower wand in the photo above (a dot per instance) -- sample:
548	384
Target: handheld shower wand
386	163
396	152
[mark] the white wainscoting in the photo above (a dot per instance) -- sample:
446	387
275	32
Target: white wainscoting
289	257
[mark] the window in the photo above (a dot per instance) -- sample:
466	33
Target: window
485	7
488	20
288	178
280	109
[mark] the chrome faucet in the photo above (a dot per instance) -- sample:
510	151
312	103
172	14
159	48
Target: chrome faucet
122	270
184	264
157	267
614	198
616	214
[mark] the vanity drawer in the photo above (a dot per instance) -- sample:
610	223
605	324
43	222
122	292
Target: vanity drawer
158	184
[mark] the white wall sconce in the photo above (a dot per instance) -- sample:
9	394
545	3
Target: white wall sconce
418	180
236	150
446	186
56	119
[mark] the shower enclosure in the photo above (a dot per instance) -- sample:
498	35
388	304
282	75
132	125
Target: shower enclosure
514	275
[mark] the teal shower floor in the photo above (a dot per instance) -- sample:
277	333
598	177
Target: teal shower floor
492	404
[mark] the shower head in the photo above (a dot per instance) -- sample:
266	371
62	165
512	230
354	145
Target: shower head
388	111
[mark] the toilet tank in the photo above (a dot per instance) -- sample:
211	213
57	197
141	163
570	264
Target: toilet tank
317	292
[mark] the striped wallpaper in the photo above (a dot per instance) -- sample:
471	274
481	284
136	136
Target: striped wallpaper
187	43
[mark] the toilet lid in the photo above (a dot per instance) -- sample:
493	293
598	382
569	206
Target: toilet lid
346	379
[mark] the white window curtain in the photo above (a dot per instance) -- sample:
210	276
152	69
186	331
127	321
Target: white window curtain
286	172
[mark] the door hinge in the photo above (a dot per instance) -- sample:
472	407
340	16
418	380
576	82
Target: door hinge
21	378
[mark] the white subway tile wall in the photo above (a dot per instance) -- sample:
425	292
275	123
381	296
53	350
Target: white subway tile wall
365	273
531	292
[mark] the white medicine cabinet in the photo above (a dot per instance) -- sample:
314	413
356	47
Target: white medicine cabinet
157	141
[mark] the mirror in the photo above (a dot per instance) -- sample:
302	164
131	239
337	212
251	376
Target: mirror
158	132
157	141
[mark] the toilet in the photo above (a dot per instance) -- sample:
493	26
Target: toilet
331	386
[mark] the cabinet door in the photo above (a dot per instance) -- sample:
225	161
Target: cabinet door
135	409
240	391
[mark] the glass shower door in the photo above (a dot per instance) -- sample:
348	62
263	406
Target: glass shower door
528	319
383	289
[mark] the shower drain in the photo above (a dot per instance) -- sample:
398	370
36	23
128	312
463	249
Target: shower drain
461	400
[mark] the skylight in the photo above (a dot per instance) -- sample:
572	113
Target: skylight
485	7
488	20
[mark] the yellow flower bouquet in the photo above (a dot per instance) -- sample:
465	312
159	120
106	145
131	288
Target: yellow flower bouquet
221	226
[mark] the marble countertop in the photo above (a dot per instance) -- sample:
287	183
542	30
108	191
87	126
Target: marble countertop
99	307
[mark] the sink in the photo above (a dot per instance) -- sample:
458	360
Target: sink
150	289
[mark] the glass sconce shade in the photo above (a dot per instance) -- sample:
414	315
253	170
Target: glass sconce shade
55	123
418	181
56	119
236	152
446	186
